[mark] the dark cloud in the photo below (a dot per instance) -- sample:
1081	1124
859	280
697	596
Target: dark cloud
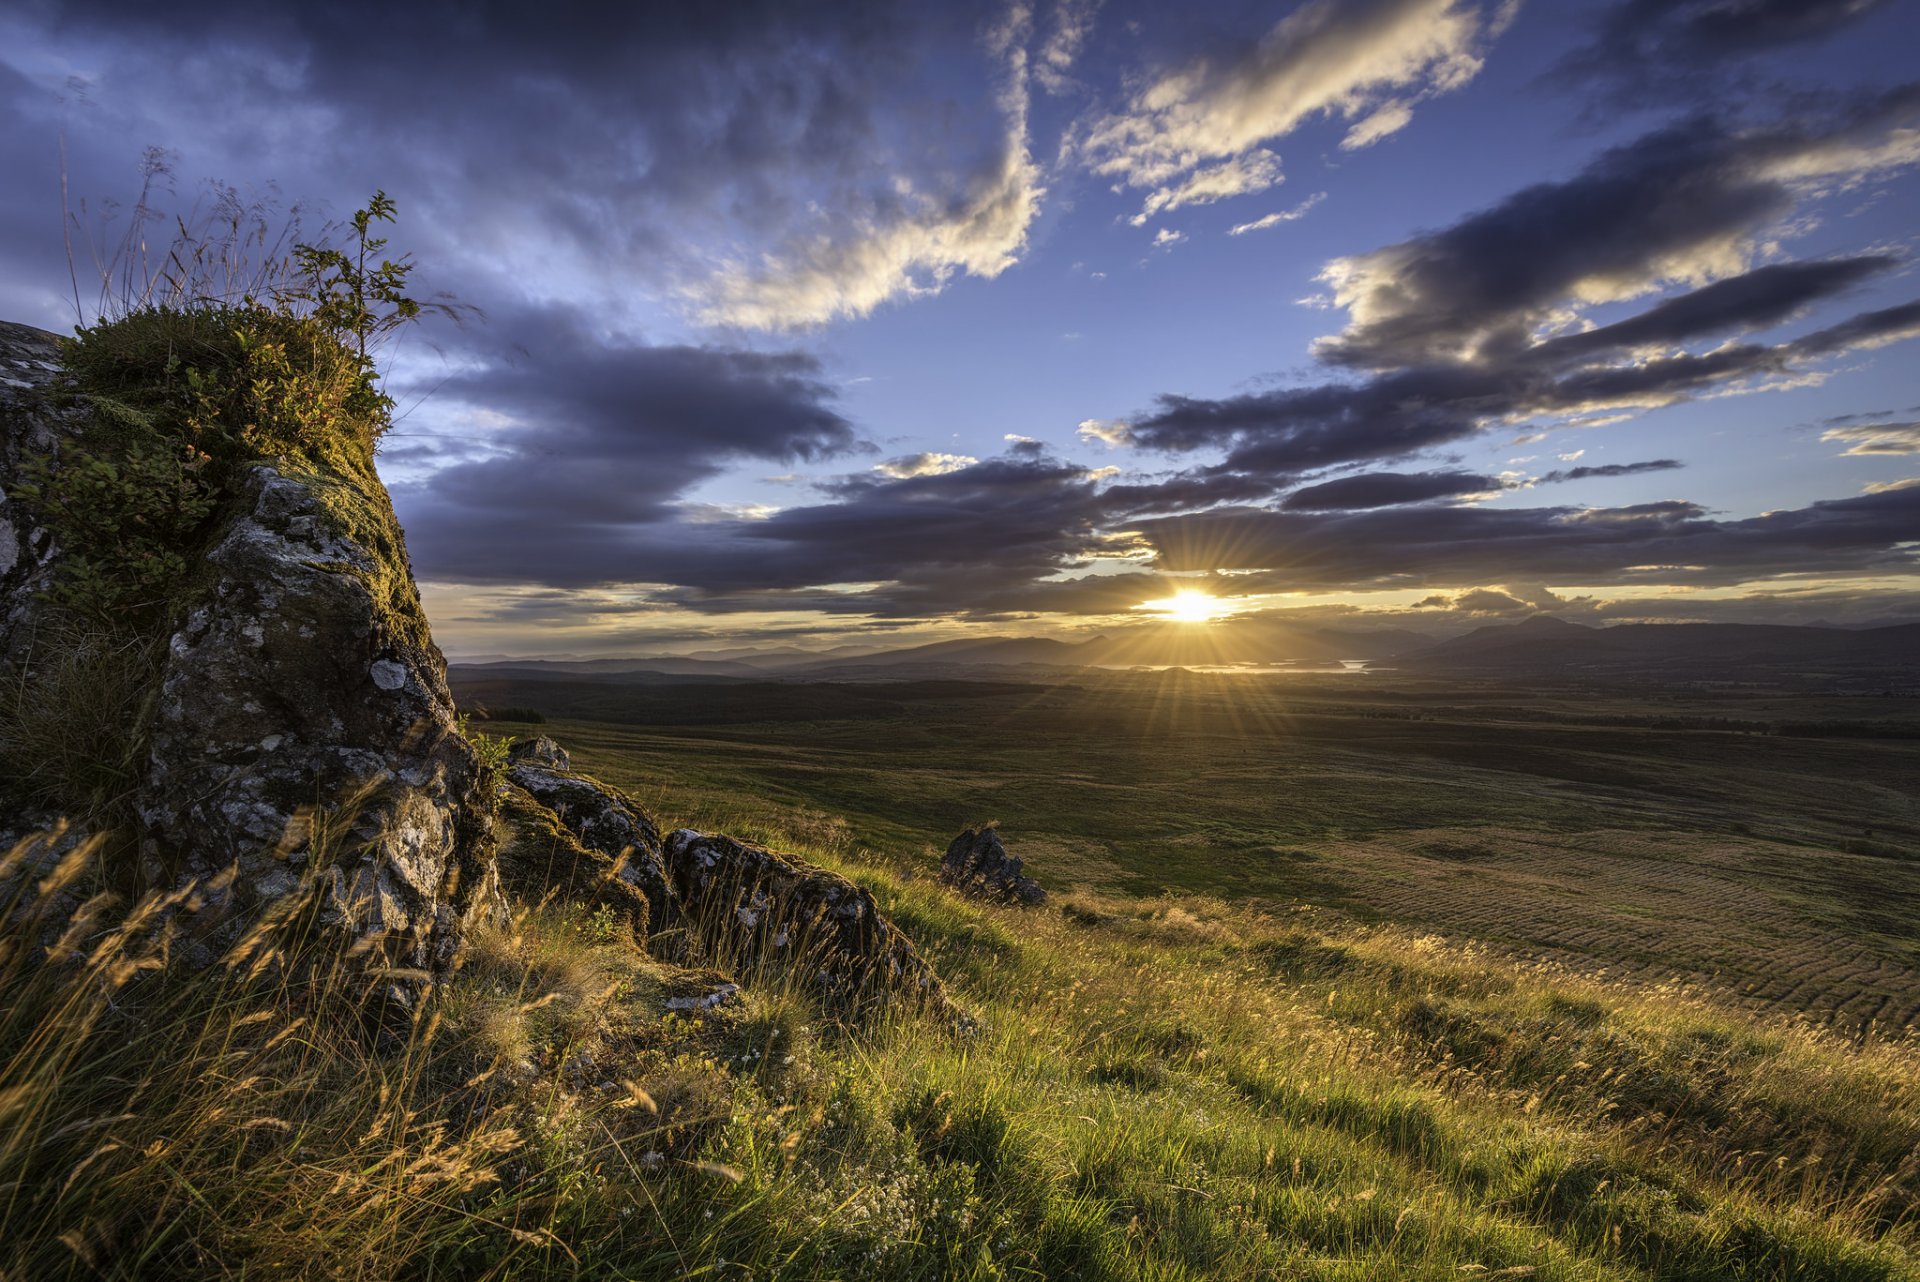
1609	470
1753	300
1288	431
657	141
1674	204
1667	542
1688	47
1387	489
605	436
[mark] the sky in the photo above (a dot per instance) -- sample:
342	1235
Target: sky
861	323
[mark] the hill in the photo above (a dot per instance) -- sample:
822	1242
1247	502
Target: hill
1545	646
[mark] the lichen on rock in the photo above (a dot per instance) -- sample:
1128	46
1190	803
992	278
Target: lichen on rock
296	731
297	697
771	907
977	864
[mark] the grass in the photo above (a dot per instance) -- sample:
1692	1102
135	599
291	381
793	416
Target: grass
1716	860
1159	1088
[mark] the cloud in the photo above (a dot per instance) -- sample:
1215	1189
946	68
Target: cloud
1242	175
1610	470
910	248
607	437
1167	236
1683	205
1110	432
1274	219
735	158
1877	438
1692	48
1390	118
910	465
1387	489
1673	542
1367	59
1496	602
1284	432
1073	22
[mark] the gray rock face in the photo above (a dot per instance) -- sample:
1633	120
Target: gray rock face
302	723
29	425
301	705
540	856
753	905
977	864
601	818
540	751
768	906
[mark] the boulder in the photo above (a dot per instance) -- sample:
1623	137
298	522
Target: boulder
539	856
300	734
977	864
303	709
770	907
746	903
602	820
30	426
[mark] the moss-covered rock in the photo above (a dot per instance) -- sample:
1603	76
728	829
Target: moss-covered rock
293	723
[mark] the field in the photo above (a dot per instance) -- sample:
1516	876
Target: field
1338	981
1676	838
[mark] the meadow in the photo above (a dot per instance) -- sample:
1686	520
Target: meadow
1331	985
1762	845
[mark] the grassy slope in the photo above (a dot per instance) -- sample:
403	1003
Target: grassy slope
1764	868
1163	1085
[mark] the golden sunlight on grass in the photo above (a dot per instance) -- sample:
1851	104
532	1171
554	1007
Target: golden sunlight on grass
1188	605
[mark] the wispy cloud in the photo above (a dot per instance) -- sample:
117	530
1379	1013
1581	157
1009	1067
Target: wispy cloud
1363	60
923	465
1877	438
1279	216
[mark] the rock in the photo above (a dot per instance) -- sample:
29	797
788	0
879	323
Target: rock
601	819
747	904
303	710
977	864
30	425
301	732
767	907
539	856
539	751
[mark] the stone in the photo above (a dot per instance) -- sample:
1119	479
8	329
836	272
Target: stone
977	864
302	736
600	818
539	751
30	425
539	856
766	907
303	709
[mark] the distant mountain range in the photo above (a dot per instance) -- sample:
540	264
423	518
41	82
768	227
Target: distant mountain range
1545	646
1539	647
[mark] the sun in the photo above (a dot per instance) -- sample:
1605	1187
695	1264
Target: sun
1188	605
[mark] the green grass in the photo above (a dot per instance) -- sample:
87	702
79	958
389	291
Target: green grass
1715	860
1159	1088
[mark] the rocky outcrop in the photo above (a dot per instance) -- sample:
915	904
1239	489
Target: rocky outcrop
769	907
977	864
540	857
752	906
301	728
304	710
616	836
29	427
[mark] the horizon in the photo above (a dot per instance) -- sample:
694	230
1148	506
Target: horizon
835	325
